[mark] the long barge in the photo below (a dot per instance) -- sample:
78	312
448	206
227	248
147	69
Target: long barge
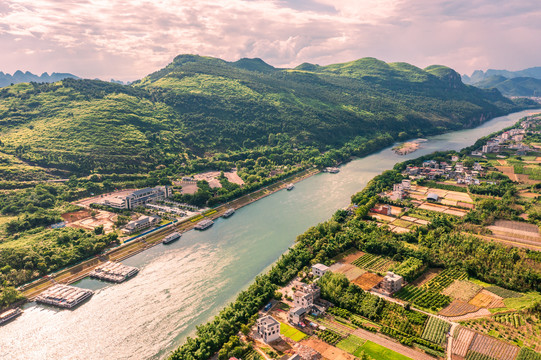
204	224
171	237
64	296
228	213
114	272
9	315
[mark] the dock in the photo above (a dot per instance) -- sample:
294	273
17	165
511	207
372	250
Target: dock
114	272
64	296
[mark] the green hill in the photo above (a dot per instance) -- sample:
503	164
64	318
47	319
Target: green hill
202	107
518	86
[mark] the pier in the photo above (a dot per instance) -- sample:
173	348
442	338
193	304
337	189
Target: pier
64	296
114	272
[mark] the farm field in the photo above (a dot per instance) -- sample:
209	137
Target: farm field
367	280
462	290
458	308
374	263
435	330
486	299
291	333
351	344
504	293
522	302
379	352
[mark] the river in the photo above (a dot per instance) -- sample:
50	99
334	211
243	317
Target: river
184	284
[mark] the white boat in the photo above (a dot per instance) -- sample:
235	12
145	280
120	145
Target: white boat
228	213
290	187
171	237
333	170
204	224
9	315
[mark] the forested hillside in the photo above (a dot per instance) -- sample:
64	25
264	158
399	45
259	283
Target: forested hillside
201	107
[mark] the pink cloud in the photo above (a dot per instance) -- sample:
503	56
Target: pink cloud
129	39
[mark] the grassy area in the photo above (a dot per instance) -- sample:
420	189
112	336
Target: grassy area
379	352
351	344
291	332
522	302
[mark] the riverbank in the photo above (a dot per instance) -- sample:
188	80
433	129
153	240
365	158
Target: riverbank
80	271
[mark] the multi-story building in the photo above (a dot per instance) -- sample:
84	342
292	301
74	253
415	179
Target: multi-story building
392	282
139	197
142	223
306	296
296	315
319	269
268	328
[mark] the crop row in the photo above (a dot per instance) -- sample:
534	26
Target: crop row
329	336
373	262
511	319
444	279
343	313
527	354
426	298
435	330
472	355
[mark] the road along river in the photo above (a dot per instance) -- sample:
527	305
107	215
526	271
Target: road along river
184	284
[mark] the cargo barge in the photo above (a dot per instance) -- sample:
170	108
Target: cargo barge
171	237
64	296
114	272
9	315
204	224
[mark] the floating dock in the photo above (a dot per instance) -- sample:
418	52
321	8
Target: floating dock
114	272
64	296
9	315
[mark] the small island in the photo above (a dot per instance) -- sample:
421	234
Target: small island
408	147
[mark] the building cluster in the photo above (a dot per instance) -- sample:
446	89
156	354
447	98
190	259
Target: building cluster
139	197
432	169
305	300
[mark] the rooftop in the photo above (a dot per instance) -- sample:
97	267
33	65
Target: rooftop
321	267
268	320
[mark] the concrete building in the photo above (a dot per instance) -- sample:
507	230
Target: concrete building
406	184
268	328
139	197
306	296
432	197
319	269
392	282
142	223
398	193
296	315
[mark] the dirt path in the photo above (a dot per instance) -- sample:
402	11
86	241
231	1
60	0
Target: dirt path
401	349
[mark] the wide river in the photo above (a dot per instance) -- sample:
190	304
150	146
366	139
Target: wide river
184	284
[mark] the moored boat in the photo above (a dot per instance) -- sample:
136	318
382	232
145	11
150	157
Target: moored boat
171	237
9	315
204	224
228	213
290	187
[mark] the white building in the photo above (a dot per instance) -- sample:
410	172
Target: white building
319	269
454	158
268	328
406	184
392	282
142	223
139	197
398	193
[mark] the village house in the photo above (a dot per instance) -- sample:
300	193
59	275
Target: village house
268	328
392	282
319	269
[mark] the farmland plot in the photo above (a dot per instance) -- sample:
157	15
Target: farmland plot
435	330
493	348
486	299
458	308
461	343
374	262
462	290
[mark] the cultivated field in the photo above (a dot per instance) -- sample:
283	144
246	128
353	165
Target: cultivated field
374	263
458	308
435	330
368	280
486	299
462	290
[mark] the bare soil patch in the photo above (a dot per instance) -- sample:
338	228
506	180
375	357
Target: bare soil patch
75	215
351	271
368	280
462	290
458	308
328	351
486	299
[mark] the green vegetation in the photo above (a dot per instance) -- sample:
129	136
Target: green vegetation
351	344
504	293
291	332
472	355
409	269
373	262
528	354
379	352
329	336
435	330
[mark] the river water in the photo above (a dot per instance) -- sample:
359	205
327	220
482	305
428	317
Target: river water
184	284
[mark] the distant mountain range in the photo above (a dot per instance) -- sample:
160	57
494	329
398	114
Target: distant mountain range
22	77
525	82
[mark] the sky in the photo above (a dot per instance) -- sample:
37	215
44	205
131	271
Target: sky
128	39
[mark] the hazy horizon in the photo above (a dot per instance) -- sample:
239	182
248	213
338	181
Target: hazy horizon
127	40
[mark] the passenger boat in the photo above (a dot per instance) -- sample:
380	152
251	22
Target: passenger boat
171	237
228	213
290	187
9	315
204	224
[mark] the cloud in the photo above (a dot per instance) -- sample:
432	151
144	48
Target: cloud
129	39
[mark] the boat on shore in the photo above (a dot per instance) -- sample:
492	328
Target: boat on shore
332	170
204	224
171	237
9	315
228	213
290	187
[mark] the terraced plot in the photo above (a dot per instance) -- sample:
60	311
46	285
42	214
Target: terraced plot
486	299
458	308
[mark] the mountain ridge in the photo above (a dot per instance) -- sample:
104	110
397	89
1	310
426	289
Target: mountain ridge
18	76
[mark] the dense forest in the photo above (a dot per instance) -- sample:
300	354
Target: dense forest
201	111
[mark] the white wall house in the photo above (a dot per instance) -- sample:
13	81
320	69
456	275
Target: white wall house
268	328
